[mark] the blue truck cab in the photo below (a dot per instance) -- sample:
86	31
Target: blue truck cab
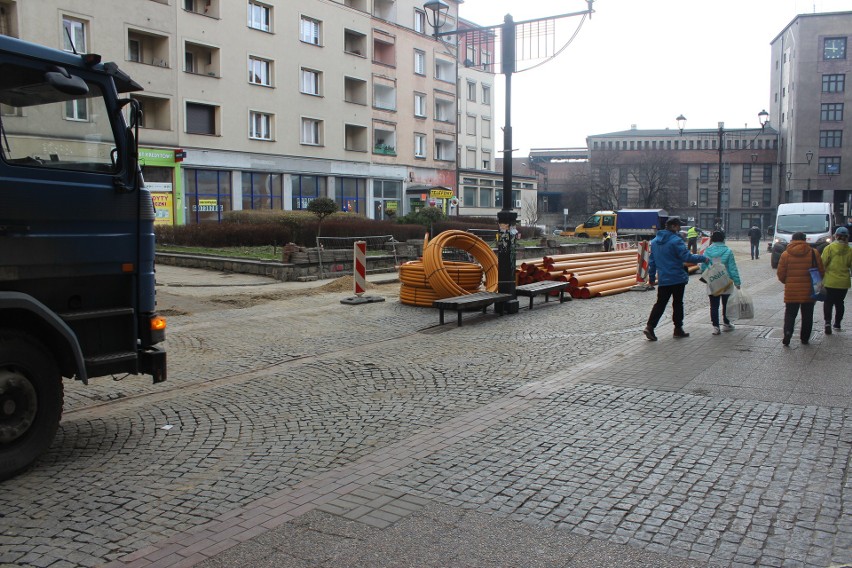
77	289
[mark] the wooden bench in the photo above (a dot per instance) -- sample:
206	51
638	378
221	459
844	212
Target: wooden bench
544	287
475	301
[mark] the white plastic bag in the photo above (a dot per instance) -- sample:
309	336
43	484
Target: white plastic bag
740	305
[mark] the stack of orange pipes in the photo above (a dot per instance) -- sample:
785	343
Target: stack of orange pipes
590	274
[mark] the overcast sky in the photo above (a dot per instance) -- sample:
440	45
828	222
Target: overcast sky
642	62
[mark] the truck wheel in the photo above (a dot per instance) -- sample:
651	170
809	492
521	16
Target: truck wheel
582	236
31	398
773	260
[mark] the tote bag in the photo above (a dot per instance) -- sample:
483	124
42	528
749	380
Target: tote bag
717	278
817	288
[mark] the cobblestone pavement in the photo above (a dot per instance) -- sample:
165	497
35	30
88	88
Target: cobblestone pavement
296	431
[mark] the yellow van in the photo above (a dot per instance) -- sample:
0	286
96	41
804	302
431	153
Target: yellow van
596	225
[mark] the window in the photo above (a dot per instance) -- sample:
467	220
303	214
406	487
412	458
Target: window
469	196
829	166
470	158
444	110
310	82
134	50
260	126
419	21
309	31
704	176
208	192
486	95
471	91
702	197
746	197
767	196
486	197
486	128
419	105
311	131
767	173
831	112
76	110
259	16
384	96
419	62
351	194
471	125
262	191
73	34
260	71
746	173
485	60
834	83
200	118
830	138
486	160
419	145
307	188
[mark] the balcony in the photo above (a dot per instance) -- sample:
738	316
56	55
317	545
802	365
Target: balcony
384	150
147	48
354	43
201	59
355	138
355	91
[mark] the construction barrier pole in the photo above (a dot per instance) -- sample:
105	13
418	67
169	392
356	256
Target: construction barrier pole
643	254
359	273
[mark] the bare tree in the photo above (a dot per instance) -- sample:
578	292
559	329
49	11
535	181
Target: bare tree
529	211
604	178
657	176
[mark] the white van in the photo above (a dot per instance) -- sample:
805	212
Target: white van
816	220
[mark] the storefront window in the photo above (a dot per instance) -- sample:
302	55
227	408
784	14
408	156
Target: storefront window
208	195
262	191
351	195
307	188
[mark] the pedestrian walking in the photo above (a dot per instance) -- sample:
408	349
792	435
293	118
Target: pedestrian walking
754	237
692	238
794	272
837	259
666	266
718	251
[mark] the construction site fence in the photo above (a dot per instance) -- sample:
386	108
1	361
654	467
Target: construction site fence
335	255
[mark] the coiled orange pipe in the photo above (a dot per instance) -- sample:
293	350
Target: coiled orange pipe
436	269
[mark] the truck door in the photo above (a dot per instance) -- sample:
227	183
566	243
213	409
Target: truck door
69	226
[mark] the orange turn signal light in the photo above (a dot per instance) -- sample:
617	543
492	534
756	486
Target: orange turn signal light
158	323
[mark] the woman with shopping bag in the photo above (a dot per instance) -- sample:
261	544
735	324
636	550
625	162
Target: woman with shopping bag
837	259
720	257
794	271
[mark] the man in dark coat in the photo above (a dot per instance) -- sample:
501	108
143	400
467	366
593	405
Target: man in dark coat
754	237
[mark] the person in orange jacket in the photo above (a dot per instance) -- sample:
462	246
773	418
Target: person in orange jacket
794	271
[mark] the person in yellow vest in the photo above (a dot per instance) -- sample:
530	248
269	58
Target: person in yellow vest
692	239
607	242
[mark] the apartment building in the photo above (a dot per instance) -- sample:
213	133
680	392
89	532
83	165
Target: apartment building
679	171
810	64
268	104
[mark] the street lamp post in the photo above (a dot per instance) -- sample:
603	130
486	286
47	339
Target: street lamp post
762	116
506	217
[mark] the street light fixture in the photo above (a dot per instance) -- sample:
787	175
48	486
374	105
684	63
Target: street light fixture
762	116
438	8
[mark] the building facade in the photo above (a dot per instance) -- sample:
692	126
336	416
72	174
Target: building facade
810	65
679	171
252	104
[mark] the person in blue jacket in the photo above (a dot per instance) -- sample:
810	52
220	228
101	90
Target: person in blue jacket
718	251
666	267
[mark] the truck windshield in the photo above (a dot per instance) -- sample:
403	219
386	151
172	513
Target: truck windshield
805	223
43	127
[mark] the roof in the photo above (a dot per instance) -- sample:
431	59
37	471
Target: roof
675	133
821	15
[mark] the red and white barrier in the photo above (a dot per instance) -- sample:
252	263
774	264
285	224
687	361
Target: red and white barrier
643	255
360	272
703	243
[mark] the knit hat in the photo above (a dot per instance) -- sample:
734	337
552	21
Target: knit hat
842	231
